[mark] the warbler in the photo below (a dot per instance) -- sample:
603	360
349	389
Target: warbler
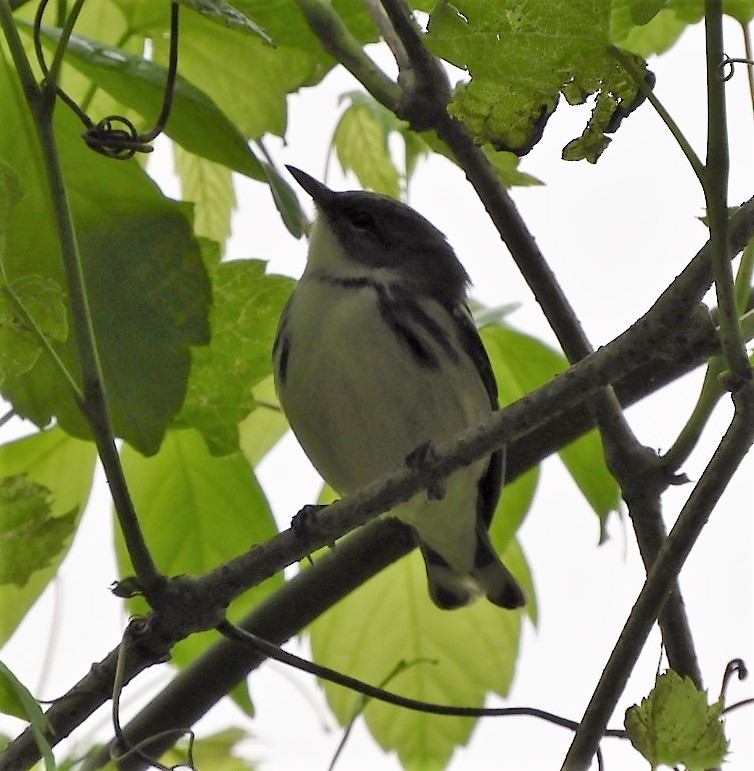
376	357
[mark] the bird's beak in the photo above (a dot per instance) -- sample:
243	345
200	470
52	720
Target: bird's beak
321	194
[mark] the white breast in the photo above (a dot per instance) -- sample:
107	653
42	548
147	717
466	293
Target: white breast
359	402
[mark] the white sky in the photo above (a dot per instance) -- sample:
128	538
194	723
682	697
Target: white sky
615	234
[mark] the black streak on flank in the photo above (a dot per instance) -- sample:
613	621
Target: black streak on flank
283	343
391	315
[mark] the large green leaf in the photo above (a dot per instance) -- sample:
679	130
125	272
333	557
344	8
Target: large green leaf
196	123
456	658
245	77
247	306
146	283
65	467
263	427
361	143
522	364
197	511
522	57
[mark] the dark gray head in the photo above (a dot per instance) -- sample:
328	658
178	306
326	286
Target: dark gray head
378	232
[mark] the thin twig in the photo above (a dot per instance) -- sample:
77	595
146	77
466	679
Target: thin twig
680	138
94	404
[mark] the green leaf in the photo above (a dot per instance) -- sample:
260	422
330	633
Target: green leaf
197	512
222	13
196	123
643	11
655	37
29	302
65	467
515	502
261	429
391	618
741	10
11	192
286	201
16	699
210	59
286	24
214	751
506	165
244	318
675	725
521	57
210	187
361	144
522	364
148	290
30	537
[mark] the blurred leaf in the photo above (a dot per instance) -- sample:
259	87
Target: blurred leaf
261	429
64	466
390	619
661	32
522	364
228	16
643	11
286	201
506	165
30	537
15	699
360	142
210	187
675	725
197	512
513	506
211	752
244	318
148	290
211	57
11	192
196	123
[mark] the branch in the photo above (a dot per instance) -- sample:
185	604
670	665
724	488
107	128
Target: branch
666	342
694	515
642	476
94	406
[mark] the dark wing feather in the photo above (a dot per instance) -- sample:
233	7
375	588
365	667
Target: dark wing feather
492	480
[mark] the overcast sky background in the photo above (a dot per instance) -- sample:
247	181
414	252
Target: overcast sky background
615	234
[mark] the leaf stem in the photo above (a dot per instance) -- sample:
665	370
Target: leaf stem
715	183
678	135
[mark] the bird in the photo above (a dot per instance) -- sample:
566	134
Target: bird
376	360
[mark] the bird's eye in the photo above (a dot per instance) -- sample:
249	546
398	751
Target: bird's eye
362	220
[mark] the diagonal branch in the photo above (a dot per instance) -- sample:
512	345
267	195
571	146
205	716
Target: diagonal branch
641	474
667	342
694	515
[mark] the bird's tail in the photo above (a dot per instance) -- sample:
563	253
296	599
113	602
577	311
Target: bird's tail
450	589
